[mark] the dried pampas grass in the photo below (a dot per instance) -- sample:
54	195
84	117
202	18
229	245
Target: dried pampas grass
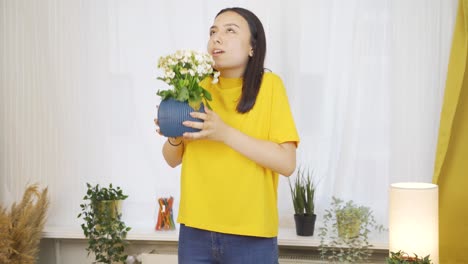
5	238
21	228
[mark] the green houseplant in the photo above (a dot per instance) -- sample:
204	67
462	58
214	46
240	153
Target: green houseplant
183	71
103	225
302	194
402	257
345	231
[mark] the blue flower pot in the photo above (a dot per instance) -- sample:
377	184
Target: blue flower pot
172	113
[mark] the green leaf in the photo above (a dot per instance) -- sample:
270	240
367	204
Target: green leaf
195	104
207	95
183	94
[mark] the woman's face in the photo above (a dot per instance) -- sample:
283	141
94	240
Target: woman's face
229	44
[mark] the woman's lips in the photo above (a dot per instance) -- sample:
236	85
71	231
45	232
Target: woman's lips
217	52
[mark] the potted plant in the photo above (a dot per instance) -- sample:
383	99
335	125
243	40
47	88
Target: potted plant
345	231
103	225
183	71
302	193
402	257
349	218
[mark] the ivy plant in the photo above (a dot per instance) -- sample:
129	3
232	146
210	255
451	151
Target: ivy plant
103	225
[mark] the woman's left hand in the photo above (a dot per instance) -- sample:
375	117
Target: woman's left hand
212	128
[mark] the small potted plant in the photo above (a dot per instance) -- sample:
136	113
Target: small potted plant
349	218
345	231
104	228
302	193
183	72
402	257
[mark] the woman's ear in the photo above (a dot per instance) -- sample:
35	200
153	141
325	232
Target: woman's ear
251	53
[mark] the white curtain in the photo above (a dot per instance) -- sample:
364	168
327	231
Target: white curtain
365	80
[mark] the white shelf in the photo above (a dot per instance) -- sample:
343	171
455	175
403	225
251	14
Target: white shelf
286	236
138	235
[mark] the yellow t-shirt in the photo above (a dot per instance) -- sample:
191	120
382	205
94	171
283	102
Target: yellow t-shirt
223	191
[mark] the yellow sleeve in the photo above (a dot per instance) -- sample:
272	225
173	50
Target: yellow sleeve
282	126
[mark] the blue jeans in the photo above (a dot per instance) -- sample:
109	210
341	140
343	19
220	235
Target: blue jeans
198	246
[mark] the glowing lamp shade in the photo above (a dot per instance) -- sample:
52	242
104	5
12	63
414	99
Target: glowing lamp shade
414	219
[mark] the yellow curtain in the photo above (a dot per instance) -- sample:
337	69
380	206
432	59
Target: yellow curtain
451	167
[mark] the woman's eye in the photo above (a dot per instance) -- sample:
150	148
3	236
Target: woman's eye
230	30
212	32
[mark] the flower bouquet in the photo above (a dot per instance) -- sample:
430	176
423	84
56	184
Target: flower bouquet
183	71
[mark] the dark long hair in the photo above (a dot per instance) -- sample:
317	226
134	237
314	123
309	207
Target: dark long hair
253	73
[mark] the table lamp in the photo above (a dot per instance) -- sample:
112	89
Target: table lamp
414	219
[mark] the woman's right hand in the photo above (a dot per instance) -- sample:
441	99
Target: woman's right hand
158	130
173	140
172	149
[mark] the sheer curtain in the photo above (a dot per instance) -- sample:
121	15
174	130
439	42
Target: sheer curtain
365	80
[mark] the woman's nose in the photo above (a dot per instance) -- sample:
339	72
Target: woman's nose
216	39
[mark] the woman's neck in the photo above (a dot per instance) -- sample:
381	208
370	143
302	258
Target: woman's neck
232	73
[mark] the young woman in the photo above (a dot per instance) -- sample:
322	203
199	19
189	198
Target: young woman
228	205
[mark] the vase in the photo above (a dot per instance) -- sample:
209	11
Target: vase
305	224
107	211
348	228
172	113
